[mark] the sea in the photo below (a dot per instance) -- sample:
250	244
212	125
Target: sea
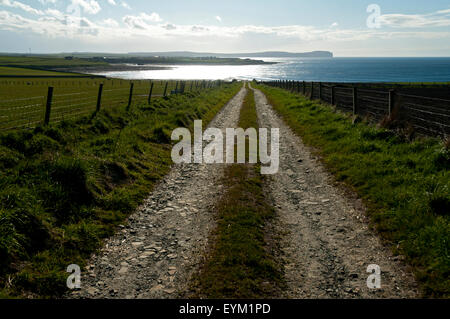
337	69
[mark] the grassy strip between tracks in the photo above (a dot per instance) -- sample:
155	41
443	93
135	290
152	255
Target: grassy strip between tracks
65	187
406	185
240	263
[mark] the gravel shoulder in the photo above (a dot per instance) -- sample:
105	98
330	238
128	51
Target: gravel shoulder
164	241
326	242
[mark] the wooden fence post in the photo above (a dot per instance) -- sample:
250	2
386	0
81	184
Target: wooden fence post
311	96
130	99
192	83
332	95
355	100
176	88
165	89
150	93
99	98
320	90
391	101
48	106
304	88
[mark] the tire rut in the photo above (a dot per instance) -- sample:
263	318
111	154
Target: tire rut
164	241
326	242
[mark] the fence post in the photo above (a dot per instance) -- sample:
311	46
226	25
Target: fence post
391	101
150	93
320	90
192	83
99	97
304	88
312	91
355	100
165	89
332	95
48	106
176	88
130	99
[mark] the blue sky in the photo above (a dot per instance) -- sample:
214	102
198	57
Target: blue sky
399	28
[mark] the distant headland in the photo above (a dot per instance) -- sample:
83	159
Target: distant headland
265	54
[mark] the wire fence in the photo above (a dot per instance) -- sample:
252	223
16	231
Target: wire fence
427	115
71	99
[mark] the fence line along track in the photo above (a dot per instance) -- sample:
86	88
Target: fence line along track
59	103
427	115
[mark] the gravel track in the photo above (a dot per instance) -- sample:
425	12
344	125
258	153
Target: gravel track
163	243
326	242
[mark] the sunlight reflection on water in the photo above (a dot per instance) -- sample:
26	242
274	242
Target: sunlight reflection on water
198	72
309	69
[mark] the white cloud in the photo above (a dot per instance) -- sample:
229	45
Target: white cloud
334	25
55	13
218	18
20	5
89	6
439	18
112	2
125	5
142	21
45	2
110	23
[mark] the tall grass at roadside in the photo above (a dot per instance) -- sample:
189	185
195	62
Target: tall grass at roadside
406	185
65	187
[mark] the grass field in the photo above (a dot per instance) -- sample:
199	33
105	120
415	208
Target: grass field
13	71
44	62
405	185
23	101
65	187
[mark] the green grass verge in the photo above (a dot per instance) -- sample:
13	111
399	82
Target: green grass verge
240	263
66	187
404	184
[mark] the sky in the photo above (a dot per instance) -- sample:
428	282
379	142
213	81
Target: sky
345	27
